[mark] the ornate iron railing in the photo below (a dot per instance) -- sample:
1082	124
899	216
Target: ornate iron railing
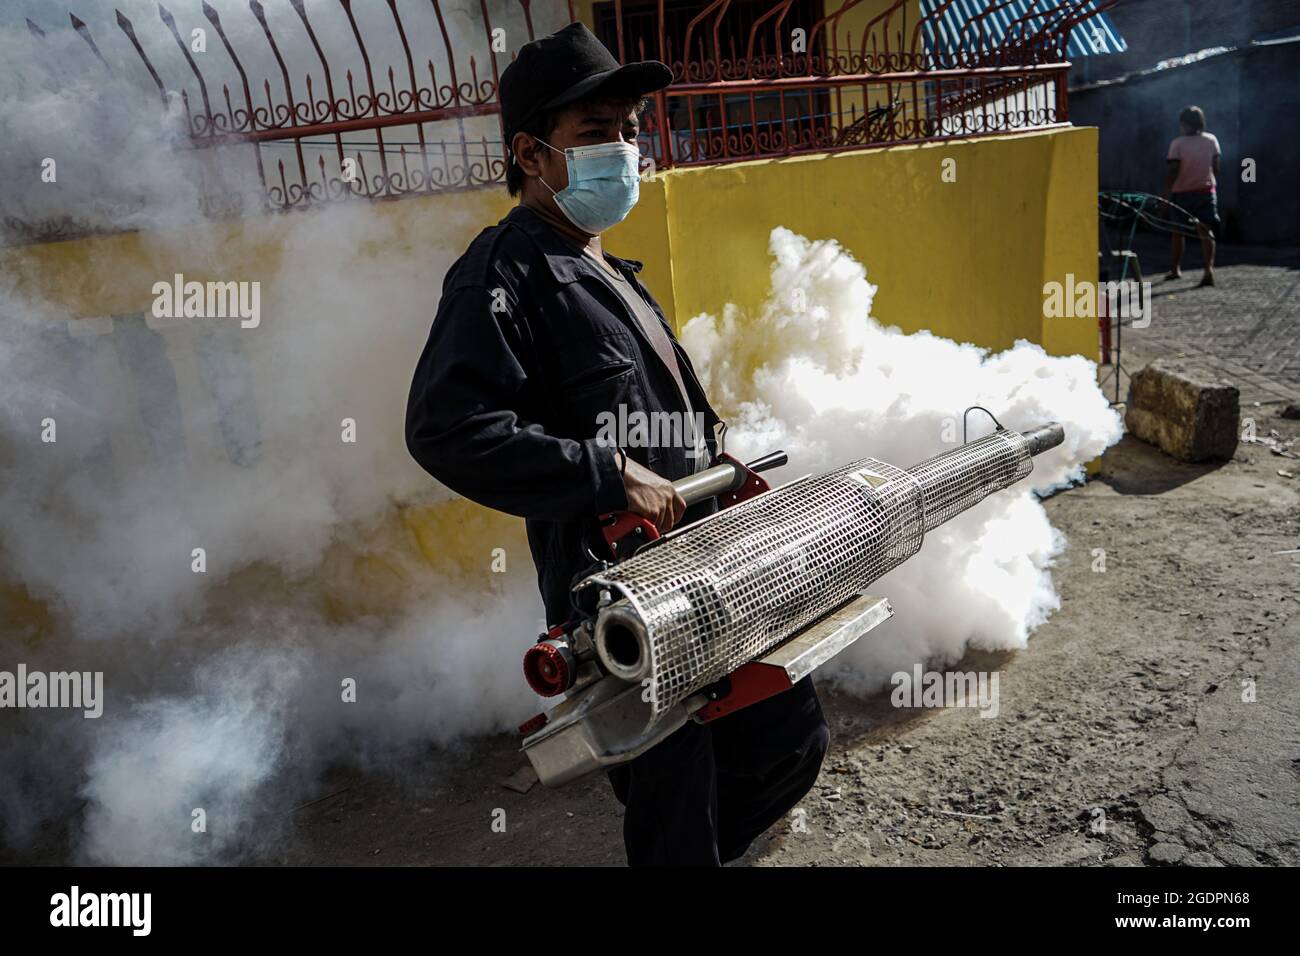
752	79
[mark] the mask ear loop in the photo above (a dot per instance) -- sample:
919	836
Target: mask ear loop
554	150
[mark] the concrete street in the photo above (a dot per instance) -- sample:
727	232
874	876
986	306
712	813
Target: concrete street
1127	733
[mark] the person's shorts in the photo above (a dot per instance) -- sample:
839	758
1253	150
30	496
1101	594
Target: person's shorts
1204	207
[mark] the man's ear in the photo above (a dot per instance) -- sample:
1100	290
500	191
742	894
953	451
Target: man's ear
524	148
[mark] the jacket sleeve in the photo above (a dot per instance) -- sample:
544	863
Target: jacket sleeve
463	428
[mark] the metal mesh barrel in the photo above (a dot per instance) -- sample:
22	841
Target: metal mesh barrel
955	480
725	591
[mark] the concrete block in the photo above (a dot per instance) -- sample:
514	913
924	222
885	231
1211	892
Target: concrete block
1185	412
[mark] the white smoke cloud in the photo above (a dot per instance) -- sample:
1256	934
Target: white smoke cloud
214	710
223	689
122	156
812	372
221	684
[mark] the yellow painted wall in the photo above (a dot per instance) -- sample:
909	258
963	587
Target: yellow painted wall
646	235
1069	236
582	10
114	274
965	259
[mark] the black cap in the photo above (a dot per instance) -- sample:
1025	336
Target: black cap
567	66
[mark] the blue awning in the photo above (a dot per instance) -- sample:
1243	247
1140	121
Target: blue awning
1095	36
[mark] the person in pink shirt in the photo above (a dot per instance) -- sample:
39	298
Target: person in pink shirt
1193	162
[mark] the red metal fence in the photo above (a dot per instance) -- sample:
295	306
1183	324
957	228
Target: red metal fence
752	79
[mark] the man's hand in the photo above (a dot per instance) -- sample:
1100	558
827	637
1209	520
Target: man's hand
652	497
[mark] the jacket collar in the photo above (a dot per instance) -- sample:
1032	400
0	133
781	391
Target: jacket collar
565	261
568	264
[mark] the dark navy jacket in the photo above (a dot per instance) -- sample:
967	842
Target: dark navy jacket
529	345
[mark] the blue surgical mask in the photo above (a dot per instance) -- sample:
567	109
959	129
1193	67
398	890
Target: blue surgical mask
604	184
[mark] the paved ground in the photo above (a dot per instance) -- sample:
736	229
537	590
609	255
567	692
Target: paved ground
1246	328
1154	720
1131	709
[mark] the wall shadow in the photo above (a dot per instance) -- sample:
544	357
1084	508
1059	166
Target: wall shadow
1132	467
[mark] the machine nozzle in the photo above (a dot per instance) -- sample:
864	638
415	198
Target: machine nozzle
549	667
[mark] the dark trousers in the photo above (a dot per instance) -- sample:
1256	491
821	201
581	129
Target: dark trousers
701	796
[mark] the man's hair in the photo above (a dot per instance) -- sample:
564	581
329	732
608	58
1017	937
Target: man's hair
543	125
1193	118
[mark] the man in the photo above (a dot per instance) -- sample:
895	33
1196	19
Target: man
538	334
1192	163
